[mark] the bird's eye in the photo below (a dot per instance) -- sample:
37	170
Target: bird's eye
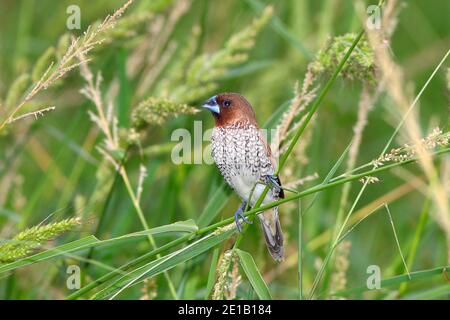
227	103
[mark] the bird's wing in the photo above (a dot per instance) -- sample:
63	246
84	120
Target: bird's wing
268	150
272	161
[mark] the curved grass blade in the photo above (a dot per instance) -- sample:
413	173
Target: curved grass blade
163	264
51	253
212	273
253	275
127	266
416	275
430	294
91	242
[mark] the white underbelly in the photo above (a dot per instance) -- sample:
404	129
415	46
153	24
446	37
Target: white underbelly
244	185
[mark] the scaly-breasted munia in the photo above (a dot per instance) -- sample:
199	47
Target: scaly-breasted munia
245	161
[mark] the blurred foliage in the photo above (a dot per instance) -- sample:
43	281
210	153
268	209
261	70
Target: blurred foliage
165	55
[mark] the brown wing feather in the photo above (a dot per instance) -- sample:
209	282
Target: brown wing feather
272	160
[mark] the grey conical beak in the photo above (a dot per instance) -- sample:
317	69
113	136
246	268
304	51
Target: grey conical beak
211	104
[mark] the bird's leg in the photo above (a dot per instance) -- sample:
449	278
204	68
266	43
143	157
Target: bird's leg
240	214
273	182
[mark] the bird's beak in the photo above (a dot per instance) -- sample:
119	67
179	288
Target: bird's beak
211	104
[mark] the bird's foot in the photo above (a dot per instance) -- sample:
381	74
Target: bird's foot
240	214
273	182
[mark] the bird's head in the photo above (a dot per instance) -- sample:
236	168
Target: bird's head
230	108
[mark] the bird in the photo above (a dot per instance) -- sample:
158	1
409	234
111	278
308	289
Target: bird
245	160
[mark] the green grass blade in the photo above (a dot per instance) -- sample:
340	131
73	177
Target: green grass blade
315	106
124	96
432	294
127	266
163	264
188	226
416	275
212	273
91	242
51	253
253	275
319	187
300	251
415	241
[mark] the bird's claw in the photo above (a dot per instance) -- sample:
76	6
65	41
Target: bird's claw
273	182
240	214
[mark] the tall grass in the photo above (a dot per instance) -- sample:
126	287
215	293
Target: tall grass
85	126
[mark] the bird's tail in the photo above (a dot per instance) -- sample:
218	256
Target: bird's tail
273	235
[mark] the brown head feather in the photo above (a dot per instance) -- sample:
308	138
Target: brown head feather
234	109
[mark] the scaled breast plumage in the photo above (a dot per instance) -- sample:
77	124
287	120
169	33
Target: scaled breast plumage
241	156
